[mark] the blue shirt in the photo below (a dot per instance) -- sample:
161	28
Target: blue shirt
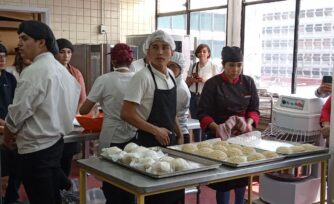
7	89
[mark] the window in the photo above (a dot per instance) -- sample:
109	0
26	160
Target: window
318	27
308	43
310	13
269	30
328	27
317	43
326	43
164	22
206	21
179	22
319	12
309	28
285	15
325	57
328	12
219	22
292	15
269	17
285	29
194	21
284	43
196	4
277	30
277	16
302	14
164	6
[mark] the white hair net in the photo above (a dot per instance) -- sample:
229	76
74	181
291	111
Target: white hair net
179	59
159	35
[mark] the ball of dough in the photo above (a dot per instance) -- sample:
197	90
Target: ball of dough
127	158
224	143
270	154
203	151
190	148
231	152
236	146
237	159
218	155
203	144
166	159
284	150
248	150
142	163
255	156
160	167
219	147
139	149
179	164
111	150
297	149
309	147
130	147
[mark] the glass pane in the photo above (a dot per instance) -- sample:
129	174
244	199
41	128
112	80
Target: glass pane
165	6
209	27
317	48
173	24
269	45
196	4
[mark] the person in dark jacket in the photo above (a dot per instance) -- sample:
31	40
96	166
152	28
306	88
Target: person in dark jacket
225	96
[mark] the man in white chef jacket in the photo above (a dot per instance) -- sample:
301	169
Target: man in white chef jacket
44	105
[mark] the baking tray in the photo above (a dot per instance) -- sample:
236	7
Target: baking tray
280	156
272	145
204	163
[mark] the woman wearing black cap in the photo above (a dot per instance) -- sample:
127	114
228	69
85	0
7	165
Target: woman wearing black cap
224	97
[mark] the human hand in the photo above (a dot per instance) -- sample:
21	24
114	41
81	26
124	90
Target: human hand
162	136
9	139
325	131
325	88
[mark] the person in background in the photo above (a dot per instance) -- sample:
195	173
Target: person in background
9	165
109	90
198	74
229	98
43	110
150	105
18	65
177	64
325	118
64	57
137	65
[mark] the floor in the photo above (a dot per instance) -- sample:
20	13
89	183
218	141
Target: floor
207	195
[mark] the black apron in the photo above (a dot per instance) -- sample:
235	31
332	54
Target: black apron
6	93
162	114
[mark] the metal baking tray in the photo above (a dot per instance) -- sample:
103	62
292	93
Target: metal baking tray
272	145
204	163
280	157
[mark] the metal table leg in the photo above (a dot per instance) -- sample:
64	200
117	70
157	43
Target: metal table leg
323	182
83	185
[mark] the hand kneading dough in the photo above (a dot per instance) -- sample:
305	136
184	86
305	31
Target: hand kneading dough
283	150
309	147
130	147
248	150
255	156
203	144
270	154
203	151
218	155
237	159
190	148
231	152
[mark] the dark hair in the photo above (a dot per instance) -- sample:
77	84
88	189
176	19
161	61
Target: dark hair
3	48
64	43
121	55
200	47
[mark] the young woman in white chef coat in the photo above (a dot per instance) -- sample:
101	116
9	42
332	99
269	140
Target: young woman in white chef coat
109	90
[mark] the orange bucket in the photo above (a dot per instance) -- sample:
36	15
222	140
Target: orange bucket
89	123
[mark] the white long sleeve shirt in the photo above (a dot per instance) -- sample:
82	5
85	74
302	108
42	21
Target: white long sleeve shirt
44	104
183	103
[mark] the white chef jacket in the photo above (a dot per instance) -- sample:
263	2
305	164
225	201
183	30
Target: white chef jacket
183	102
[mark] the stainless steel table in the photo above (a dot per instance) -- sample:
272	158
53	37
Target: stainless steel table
141	185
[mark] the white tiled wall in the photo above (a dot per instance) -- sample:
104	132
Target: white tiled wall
79	20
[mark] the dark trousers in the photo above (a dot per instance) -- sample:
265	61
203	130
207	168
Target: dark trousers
70	149
10	167
41	174
194	100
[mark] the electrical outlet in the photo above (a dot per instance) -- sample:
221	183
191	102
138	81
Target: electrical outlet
103	29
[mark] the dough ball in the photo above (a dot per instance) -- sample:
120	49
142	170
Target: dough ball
130	147
283	150
118	156
152	154
218	155
270	154
179	164
166	159
236	146
255	156
231	152
142	163
309	147
297	149
219	147
111	150
190	148
160	167
139	149
248	150
203	144
237	159
205	151
128	157
224	143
